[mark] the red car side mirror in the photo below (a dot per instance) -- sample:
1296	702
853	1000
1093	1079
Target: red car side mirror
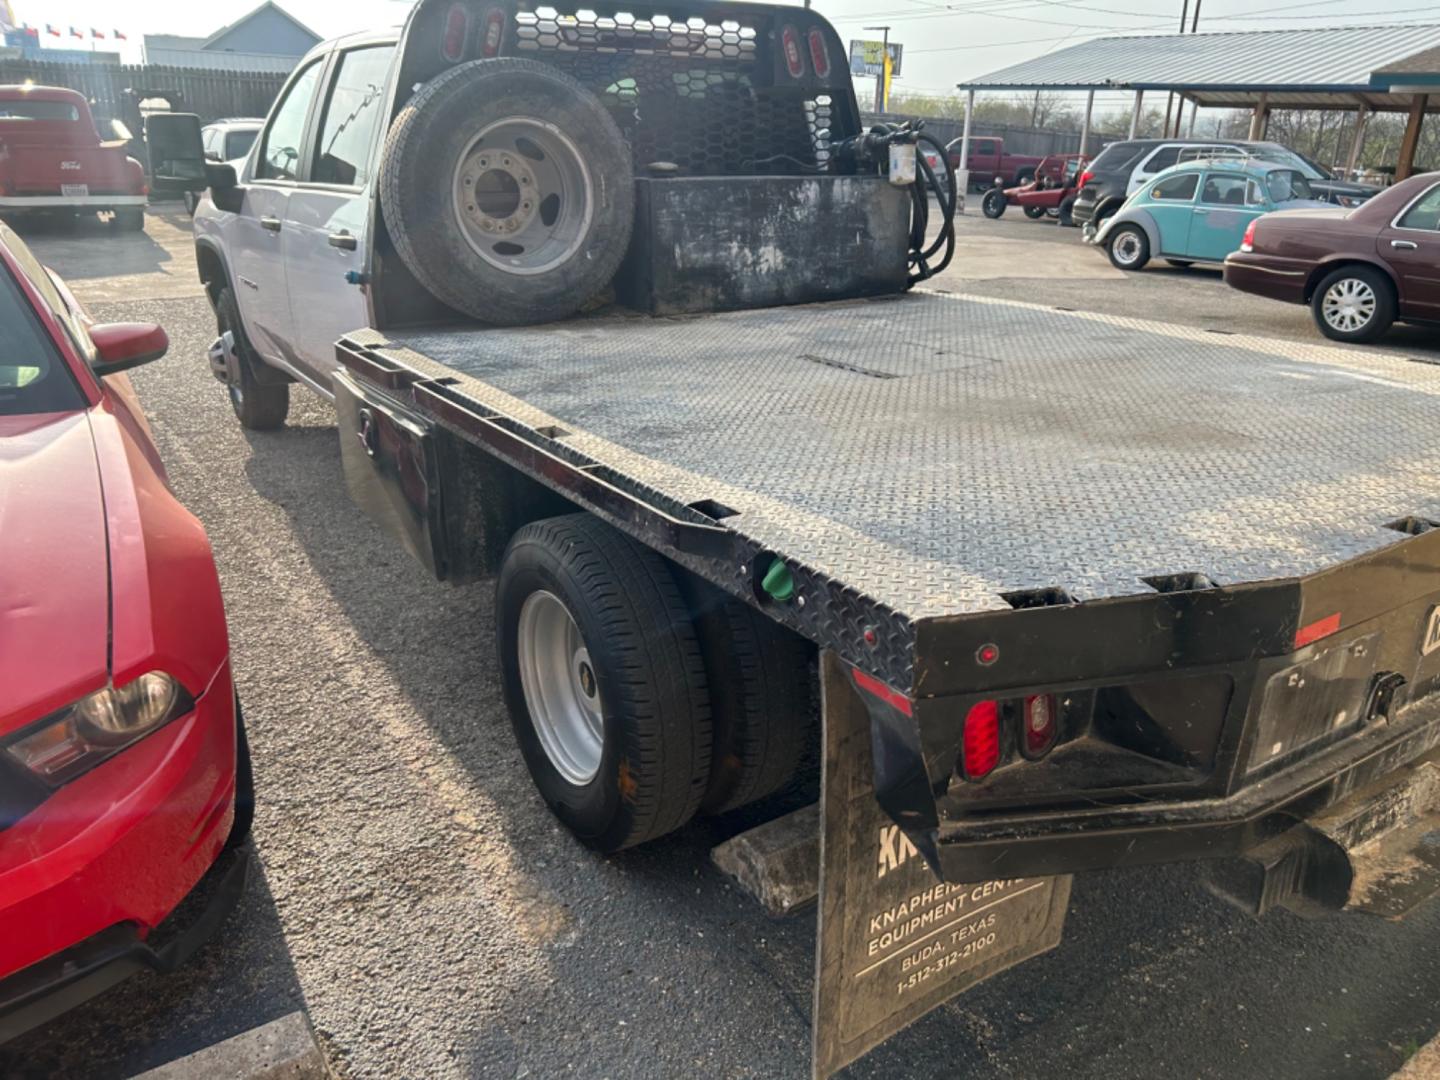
122	346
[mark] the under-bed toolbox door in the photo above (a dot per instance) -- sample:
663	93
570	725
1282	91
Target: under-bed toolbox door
389	457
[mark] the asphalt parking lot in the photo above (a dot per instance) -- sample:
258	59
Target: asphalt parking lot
414	897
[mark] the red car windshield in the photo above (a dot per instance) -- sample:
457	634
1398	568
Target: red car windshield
33	376
39	110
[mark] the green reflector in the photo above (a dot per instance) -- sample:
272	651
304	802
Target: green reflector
778	583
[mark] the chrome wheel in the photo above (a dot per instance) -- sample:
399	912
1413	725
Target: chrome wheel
1349	305
561	691
523	195
1126	247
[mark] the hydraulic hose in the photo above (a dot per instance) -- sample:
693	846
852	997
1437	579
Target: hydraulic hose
945	194
871	150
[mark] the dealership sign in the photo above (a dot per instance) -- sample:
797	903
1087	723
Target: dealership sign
866	58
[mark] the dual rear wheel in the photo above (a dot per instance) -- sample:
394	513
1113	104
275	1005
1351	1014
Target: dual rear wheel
639	697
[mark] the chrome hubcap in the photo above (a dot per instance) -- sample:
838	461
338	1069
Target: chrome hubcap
561	691
522	195
1348	305
1127	247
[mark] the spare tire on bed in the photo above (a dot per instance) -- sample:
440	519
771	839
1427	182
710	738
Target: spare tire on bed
507	189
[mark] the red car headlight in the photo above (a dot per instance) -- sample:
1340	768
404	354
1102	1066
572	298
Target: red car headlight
76	739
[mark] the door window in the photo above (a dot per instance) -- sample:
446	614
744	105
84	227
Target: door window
280	159
1161	159
1424	213
238	143
1176	188
985	147
352	118
1220	190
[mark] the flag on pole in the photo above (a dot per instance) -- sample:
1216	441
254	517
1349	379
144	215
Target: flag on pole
51	30
76	34
118	36
96	34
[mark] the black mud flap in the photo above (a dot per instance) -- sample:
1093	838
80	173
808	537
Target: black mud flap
894	941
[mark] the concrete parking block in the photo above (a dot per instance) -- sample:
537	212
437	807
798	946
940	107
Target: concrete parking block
284	1049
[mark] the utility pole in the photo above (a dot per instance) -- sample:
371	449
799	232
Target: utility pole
880	78
1170	97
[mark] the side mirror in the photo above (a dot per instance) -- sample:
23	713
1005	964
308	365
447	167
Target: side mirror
224	185
220	176
177	152
122	346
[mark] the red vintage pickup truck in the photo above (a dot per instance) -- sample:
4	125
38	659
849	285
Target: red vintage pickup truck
990	164
53	160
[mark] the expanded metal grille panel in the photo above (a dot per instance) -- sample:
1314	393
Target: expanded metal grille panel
936	453
693	38
689	93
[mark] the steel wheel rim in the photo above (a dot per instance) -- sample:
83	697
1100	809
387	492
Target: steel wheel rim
561	690
1127	247
523	196
1348	305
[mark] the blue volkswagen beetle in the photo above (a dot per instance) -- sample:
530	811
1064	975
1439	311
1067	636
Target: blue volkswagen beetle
1198	211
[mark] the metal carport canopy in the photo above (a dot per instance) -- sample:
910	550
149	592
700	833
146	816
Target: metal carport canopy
1337	68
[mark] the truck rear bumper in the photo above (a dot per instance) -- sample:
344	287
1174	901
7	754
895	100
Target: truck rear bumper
1230	716
69	202
1094	838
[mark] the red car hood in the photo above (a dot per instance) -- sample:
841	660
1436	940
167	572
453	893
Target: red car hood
54	567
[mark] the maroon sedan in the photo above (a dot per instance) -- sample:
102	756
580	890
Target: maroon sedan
1359	270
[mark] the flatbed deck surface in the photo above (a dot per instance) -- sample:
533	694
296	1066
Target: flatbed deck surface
938	452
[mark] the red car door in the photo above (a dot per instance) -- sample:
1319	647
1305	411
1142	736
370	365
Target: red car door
1411	245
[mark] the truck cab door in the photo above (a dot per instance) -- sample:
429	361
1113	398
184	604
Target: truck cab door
1412	248
326	236
255	234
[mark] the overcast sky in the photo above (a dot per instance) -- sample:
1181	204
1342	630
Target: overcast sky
944	42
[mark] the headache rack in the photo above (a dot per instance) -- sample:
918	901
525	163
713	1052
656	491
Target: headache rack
698	89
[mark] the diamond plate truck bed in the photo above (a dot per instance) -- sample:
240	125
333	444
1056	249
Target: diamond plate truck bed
1172	533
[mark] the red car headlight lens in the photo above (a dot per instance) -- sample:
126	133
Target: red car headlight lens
73	741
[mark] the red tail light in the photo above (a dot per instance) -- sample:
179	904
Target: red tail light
1086	177
1039	721
790	45
457	26
981	739
819	55
494	32
1247	242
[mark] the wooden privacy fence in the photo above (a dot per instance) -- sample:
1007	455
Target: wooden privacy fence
211	94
